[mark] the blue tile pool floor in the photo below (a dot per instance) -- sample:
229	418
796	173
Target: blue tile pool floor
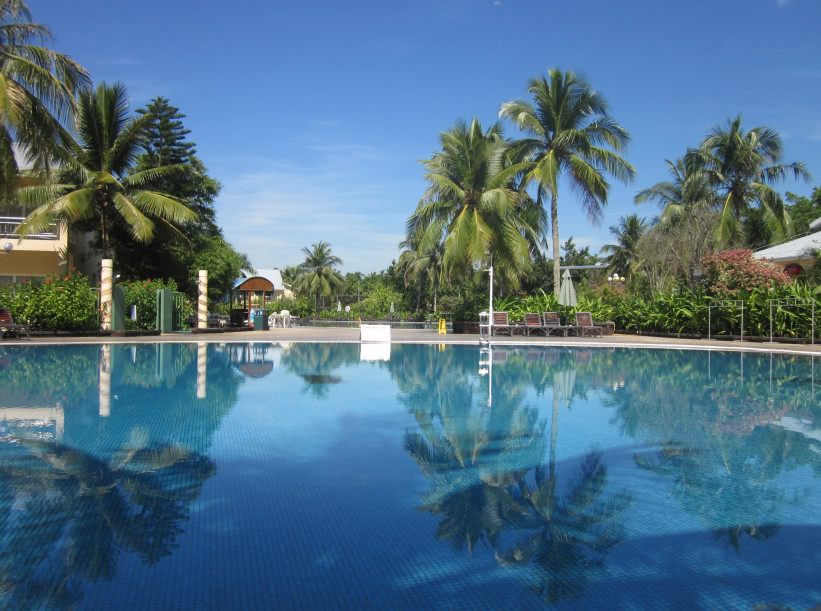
321	476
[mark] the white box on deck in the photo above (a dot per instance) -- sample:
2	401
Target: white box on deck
375	333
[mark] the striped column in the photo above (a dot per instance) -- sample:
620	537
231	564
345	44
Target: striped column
202	300
202	368
105	380
106	286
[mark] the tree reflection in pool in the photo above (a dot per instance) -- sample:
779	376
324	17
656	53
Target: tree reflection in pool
272	475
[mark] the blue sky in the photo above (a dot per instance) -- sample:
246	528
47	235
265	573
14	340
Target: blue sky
314	115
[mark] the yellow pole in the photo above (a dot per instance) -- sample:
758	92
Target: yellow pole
443	329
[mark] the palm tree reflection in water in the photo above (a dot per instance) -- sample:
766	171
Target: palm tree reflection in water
487	474
315	364
80	512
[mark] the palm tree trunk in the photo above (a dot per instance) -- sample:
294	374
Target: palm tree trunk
434	298
554	217
104	233
554	433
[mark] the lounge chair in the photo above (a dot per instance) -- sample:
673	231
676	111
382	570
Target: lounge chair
553	323
7	325
501	321
533	322
584	323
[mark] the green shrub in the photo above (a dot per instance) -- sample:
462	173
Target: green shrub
679	311
143	294
59	302
297	306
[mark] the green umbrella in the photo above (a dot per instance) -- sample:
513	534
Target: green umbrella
567	293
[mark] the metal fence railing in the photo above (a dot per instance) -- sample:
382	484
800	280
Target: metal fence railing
9	225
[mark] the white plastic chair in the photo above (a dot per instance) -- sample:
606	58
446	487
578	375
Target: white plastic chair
285	315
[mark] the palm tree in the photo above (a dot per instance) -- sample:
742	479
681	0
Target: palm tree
471	204
627	233
742	166
94	183
422	266
686	193
318	274
569	128
37	89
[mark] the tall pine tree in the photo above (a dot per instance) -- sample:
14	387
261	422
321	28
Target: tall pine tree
167	144
172	255
166	134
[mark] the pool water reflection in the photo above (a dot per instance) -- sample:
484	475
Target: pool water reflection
320	476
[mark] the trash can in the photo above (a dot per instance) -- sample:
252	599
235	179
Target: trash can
261	320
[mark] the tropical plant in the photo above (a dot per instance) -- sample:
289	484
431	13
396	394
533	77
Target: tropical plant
317	273
622	254
735	273
742	166
571	134
63	302
687	192
422	267
143	295
804	210
37	89
95	183
472	205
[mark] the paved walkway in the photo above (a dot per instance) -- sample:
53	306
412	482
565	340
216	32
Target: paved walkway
332	334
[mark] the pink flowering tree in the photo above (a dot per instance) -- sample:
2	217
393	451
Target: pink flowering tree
735	273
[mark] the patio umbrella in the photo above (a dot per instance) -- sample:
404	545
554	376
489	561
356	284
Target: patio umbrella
563	383
391	307
338	305
567	293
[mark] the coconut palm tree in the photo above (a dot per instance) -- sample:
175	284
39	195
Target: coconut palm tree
687	192
571	134
741	166
422	267
627	233
318	274
37	89
94	184
472	205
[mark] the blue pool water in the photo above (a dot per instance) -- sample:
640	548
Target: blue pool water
319	476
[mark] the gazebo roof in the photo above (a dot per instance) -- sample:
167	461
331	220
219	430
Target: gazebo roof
261	280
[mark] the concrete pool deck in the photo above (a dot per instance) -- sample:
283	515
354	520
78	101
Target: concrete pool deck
427	336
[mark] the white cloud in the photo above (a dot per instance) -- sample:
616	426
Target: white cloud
781	3
341	196
497	2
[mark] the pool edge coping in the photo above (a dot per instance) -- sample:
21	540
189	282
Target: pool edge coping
777	349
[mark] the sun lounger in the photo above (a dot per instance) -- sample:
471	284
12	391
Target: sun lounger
7	325
533	322
501	321
552	323
584	324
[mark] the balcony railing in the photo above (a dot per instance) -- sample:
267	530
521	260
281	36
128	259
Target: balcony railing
9	225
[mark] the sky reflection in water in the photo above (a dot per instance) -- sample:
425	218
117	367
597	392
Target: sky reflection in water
319	475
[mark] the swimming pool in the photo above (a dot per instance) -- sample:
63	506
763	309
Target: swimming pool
324	476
